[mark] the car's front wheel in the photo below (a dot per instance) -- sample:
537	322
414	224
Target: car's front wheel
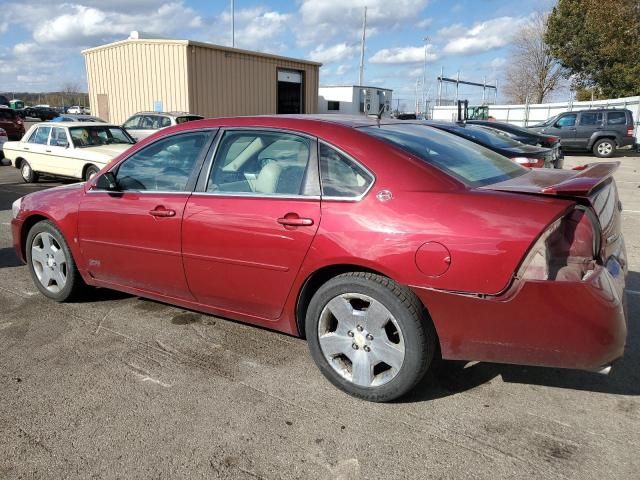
51	264
28	175
369	336
604	148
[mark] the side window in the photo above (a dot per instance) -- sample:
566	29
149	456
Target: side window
340	176
616	118
133	122
58	137
149	122
587	119
567	120
165	165
260	163
165	122
41	136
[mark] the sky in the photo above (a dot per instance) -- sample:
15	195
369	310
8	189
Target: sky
40	42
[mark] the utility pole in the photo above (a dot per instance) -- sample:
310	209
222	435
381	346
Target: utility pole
233	24
364	33
424	74
440	86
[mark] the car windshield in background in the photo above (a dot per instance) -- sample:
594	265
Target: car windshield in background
486	136
471	164
188	118
92	136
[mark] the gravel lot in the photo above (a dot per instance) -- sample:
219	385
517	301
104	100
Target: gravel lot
120	387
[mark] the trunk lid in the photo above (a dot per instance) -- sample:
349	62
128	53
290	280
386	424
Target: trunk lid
594	186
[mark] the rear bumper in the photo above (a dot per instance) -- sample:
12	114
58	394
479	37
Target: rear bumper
627	142
578	325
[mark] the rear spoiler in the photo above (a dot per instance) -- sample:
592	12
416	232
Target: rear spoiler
542	181
585	181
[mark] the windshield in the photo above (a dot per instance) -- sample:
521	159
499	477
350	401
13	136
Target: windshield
471	164
92	136
547	122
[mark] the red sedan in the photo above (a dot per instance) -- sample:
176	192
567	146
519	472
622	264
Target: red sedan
384	244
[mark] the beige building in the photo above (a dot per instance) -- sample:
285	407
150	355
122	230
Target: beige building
135	75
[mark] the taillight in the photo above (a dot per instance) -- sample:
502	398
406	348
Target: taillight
629	132
19	121
566	251
529	162
552	139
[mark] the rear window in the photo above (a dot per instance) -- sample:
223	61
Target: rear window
470	163
188	118
487	136
7	114
616	118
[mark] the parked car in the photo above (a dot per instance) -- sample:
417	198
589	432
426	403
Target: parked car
72	150
143	124
3	138
41	113
12	123
384	243
600	130
527	137
525	155
77	118
4	101
78	110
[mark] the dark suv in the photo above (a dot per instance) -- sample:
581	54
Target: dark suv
11	122
601	130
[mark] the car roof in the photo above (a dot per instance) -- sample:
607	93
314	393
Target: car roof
75	124
170	114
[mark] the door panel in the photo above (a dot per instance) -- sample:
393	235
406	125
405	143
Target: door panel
248	229
238	257
122	242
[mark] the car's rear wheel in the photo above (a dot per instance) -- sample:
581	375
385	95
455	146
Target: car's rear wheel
90	172
28	175
604	148
51	264
369	336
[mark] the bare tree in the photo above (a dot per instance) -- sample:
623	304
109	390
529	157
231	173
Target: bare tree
532	74
71	87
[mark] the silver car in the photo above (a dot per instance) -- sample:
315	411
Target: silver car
143	124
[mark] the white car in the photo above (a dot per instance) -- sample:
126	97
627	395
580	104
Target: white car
76	110
72	150
143	124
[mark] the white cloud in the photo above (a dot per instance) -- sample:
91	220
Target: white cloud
334	53
424	23
88	26
482	36
342	69
4	26
498	62
255	29
403	55
321	19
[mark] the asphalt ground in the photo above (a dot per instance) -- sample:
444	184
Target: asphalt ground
117	386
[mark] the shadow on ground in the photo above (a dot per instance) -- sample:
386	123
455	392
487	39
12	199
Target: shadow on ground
8	258
624	379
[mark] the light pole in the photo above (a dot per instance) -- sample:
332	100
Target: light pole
233	24
424	75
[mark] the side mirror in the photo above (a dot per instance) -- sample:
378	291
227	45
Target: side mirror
107	181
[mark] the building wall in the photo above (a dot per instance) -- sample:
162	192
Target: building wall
226	82
353	99
135	74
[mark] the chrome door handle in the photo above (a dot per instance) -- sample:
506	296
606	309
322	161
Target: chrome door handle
293	220
162	212
25	148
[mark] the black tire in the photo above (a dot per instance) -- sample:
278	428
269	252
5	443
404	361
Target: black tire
90	171
417	331
74	284
604	148
27	173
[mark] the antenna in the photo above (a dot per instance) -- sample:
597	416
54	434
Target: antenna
364	33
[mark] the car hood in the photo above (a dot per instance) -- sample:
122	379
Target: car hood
104	153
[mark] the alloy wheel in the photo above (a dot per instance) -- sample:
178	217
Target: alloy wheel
605	148
49	262
361	340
